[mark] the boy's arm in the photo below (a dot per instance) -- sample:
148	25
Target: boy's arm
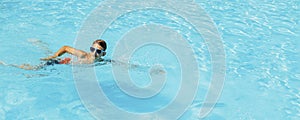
66	49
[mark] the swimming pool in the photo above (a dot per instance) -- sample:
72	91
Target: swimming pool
261	41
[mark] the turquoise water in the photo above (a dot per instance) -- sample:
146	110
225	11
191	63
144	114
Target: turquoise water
261	40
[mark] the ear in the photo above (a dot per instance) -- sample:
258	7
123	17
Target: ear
104	53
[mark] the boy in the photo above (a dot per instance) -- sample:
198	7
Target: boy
96	52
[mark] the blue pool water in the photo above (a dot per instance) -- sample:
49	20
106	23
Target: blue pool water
261	41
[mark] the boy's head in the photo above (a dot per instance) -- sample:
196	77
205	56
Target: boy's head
100	45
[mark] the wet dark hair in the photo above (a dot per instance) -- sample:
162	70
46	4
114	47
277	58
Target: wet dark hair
102	43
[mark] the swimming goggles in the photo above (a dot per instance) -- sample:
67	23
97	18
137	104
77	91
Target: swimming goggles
97	50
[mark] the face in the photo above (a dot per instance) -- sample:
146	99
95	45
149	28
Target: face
97	46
